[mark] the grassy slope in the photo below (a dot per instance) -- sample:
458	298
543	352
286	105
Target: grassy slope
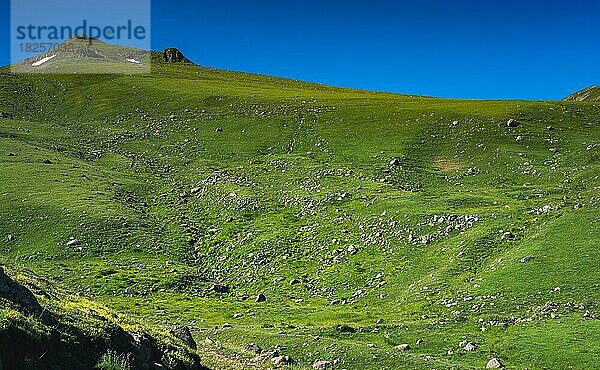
268	207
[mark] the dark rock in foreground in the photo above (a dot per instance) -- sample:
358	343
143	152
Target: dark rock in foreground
63	340
184	333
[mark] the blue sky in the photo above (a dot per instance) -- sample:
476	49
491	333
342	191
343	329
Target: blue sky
495	49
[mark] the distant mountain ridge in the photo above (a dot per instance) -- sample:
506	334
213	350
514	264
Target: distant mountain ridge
82	54
591	93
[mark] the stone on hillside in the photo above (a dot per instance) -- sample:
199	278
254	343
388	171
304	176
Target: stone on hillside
403	347
322	365
352	250
338	259
455	123
294	282
470	347
395	162
345	329
73	243
494	364
507	235
527	259
184	333
252	347
519	138
10	237
512	123
267	355
261	298
218	288
128	291
282	360
218	129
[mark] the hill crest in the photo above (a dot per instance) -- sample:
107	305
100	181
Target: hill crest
591	93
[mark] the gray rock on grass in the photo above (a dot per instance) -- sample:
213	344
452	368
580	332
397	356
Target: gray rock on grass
322	365
494	364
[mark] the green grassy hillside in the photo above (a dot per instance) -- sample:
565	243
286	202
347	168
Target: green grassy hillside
367	220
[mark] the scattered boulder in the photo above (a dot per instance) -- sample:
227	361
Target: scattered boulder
494	364
10	238
345	329
322	365
267	355
352	250
395	162
218	288
218	129
184	333
282	360
6	115
261	298
527	259
252	347
128	291
73	243
512	123
294	282
403	347
468	346
506	236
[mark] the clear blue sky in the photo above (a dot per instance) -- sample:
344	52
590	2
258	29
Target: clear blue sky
495	49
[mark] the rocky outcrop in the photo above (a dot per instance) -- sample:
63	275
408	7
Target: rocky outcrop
184	333
20	296
173	55
61	342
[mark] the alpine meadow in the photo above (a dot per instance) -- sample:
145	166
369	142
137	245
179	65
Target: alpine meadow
196	218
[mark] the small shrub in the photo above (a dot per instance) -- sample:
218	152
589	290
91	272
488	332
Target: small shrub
113	361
